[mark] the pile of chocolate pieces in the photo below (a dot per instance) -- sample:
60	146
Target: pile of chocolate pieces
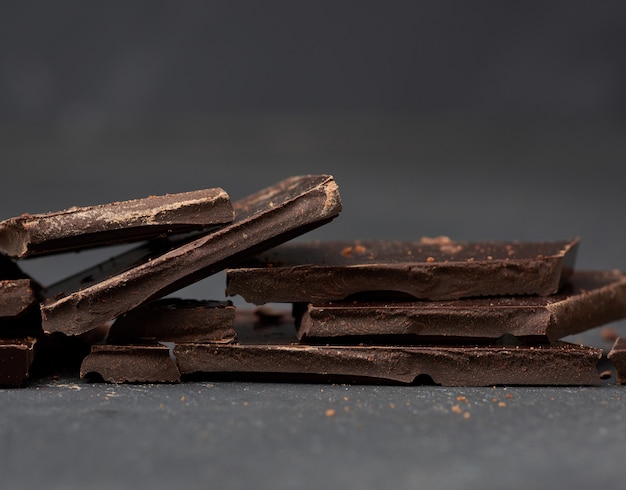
432	311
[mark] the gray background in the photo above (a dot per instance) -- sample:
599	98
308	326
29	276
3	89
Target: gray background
476	120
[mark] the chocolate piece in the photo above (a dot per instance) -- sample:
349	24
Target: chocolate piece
176	320
16	296
16	357
274	353
435	269
130	364
591	299
117	222
262	220
617	355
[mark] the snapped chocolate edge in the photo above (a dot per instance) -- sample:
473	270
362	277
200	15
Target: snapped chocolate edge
309	202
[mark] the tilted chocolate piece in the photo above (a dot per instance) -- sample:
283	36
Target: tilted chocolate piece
435	269
453	365
130	364
16	296
265	219
18	292
118	222
16	357
617	355
176	320
591	298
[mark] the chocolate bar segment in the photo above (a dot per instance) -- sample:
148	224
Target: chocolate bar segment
176	320
455	365
16	296
130	364
265	219
434	269
16	357
118	222
617	355
590	299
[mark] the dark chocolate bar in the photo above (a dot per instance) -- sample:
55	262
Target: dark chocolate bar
176	320
434	269
16	296
272	352
590	299
617	355
118	222
130	364
265	219
16	357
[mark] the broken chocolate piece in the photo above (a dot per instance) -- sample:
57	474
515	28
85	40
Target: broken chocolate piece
176	320
130	364
16	357
591	298
16	296
617	355
265	219
118	222
435	269
272	351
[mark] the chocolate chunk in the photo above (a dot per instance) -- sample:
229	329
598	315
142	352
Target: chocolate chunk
16	357
16	296
265	219
435	269
130	364
592	298
176	320
119	222
617	355
272	352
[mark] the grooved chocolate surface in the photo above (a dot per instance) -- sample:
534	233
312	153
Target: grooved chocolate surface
262	220
176	320
118	222
272	351
131	364
434	268
590	299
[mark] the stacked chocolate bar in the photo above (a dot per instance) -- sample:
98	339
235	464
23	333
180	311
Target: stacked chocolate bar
434	310
189	236
19	323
